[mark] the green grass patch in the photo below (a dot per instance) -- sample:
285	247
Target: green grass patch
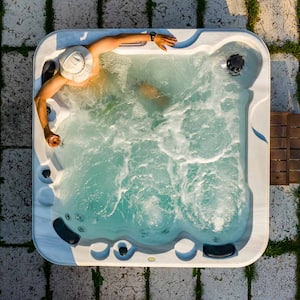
100	13
288	47
298	13
147	274
296	194
198	288
98	281
250	274
278	248
24	50
253	13
2	12
29	245
49	21
47	271
292	48
201	6
298	86
150	6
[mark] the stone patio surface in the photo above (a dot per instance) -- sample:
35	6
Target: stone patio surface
24	274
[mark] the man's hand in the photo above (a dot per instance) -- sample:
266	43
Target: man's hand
52	139
162	40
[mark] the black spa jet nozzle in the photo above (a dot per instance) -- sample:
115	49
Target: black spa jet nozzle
123	250
235	64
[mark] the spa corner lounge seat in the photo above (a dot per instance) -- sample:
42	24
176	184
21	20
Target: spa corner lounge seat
285	148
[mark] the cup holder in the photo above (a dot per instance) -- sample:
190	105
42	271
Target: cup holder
44	174
46	196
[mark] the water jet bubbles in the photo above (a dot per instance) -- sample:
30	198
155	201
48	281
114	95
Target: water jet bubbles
81	229
154	212
206	133
228	104
79	217
223	64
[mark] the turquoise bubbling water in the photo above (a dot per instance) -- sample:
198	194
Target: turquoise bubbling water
135	170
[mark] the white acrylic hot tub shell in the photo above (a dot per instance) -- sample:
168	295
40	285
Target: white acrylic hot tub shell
190	41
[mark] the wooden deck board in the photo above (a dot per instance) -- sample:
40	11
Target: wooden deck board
285	148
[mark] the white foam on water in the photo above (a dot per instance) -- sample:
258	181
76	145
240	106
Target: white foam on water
133	168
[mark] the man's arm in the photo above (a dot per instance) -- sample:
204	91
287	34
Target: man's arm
51	87
109	43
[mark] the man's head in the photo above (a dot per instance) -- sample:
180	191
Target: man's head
76	63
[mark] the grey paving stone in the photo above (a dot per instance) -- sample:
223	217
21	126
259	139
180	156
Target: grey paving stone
16	110
283	217
15	196
75	14
21	274
277	21
174	14
225	14
224	284
171	283
71	282
125	14
23	22
276	278
123	283
284	69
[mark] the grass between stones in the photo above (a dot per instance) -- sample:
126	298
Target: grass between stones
199	287
250	274
201	6
252	7
150	6
47	271
49	21
100	13
98	281
147	274
289	48
274	248
296	193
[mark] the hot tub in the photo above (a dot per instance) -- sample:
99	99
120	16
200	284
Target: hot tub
211	165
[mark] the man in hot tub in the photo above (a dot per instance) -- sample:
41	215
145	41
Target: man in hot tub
79	64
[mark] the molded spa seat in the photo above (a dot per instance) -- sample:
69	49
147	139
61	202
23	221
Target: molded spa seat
65	232
100	250
185	249
219	251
